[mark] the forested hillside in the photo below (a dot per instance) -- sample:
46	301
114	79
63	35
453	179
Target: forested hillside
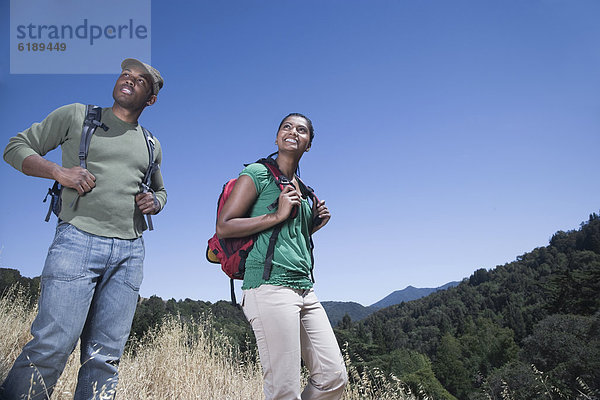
336	310
522	328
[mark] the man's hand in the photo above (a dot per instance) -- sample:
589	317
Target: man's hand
76	178
147	203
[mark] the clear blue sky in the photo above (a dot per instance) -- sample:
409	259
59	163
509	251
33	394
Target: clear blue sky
450	135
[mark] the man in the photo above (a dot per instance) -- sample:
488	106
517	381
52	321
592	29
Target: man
93	270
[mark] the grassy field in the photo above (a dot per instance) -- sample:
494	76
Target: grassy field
178	362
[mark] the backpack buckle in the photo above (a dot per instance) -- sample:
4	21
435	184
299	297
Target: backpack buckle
283	181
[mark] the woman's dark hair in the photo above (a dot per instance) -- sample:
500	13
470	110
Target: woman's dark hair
310	125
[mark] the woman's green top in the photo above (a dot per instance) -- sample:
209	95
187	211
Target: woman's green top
292	258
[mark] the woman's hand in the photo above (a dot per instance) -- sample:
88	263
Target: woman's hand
288	199
321	211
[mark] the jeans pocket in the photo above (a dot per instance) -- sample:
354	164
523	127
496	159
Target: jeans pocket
134	269
62	228
68	255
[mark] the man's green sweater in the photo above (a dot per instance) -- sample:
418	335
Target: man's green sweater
118	158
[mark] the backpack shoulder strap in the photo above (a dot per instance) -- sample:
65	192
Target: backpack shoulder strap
93	117
306	190
92	120
281	181
152	165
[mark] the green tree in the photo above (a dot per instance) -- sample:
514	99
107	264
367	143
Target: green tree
414	369
449	367
346	322
566	347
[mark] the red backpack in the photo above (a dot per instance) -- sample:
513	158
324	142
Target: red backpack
231	253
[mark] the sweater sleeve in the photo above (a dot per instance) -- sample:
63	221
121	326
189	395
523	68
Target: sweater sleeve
41	137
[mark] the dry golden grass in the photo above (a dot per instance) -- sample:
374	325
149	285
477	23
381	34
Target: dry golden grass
15	320
176	361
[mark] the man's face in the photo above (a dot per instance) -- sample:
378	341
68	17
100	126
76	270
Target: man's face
133	90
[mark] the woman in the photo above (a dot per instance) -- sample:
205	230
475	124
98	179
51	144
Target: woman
288	321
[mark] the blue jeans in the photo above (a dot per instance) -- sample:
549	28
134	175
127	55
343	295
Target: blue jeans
89	291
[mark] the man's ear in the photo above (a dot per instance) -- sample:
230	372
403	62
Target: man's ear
151	100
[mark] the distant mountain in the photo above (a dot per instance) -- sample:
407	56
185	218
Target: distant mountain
337	309
408	294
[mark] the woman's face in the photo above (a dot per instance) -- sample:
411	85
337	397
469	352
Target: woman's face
294	134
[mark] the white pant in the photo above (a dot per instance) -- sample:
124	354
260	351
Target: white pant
290	323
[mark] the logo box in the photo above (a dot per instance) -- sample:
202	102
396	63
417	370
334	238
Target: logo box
77	36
